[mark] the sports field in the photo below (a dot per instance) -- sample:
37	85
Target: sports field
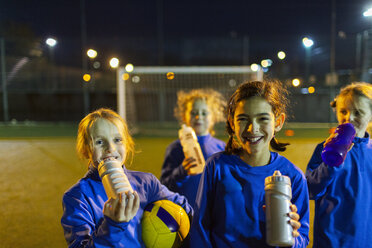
39	163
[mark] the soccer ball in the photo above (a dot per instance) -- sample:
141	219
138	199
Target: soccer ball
164	224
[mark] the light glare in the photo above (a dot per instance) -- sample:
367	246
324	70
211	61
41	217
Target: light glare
92	53
307	42
254	67
368	12
51	42
295	82
281	55
87	77
114	62
129	68
311	89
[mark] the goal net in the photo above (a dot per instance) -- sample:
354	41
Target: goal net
148	94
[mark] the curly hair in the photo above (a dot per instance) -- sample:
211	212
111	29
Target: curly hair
215	101
84	142
354	89
273	91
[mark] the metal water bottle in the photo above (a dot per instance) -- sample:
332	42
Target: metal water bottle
334	153
191	148
278	195
113	178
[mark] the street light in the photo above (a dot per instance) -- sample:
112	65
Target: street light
92	53
51	42
368	12
308	43
281	55
114	62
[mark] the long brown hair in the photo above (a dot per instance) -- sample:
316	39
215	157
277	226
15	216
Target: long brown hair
274	92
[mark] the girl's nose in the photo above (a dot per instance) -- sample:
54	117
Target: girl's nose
110	147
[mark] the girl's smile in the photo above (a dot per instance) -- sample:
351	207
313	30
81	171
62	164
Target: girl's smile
254	126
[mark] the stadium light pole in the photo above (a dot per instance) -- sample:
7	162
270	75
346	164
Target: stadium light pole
308	43
51	43
3	81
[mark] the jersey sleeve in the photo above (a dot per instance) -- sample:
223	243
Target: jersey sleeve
79	226
319	176
172	170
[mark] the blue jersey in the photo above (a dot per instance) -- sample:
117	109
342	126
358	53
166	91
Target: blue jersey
343	197
84	223
173	174
229	205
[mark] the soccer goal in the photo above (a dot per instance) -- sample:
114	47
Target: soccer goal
148	94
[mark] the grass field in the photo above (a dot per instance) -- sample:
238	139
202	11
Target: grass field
37	168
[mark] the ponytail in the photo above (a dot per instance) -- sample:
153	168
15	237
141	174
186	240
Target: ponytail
278	146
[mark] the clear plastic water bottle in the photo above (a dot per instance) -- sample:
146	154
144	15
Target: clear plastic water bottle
278	195
113	178
191	148
334	153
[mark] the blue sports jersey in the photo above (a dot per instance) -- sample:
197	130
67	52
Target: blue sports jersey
229	205
173	174
85	225
343	197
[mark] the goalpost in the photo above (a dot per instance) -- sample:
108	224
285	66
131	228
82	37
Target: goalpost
148	94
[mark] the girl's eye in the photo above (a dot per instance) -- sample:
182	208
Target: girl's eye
99	142
117	140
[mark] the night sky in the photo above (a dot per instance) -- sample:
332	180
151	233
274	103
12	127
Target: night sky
270	25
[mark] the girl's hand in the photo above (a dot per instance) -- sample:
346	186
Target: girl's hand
189	163
294	220
122	208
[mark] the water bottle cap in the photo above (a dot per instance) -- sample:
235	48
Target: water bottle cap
277	177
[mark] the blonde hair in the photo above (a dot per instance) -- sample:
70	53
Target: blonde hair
84	142
215	101
354	89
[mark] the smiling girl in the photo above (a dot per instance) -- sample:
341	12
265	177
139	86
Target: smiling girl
229	208
89	218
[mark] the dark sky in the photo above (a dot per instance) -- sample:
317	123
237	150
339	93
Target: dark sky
269	23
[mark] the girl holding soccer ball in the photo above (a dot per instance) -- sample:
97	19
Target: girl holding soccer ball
90	218
229	208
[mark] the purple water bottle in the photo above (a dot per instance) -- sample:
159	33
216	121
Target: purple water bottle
334	152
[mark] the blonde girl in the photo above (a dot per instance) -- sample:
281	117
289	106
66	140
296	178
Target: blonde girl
89	218
199	109
343	195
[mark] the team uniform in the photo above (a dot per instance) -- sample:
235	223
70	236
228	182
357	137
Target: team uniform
174	175
229	205
343	197
84	223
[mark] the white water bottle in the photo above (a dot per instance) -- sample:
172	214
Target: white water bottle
278	195
191	148
113	178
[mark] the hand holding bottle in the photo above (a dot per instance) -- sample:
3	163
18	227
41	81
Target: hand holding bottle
189	164
122	208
